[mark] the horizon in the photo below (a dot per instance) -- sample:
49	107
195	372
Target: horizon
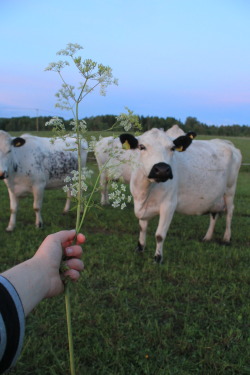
102	115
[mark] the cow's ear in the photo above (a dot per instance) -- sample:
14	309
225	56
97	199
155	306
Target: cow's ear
128	141
18	142
183	142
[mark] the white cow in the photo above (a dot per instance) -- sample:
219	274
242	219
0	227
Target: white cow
198	181
114	163
30	164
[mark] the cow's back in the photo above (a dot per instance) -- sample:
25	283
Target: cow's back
205	172
45	161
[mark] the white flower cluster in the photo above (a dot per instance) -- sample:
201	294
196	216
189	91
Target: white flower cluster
118	196
82	126
58	129
56	122
70	49
129	121
75	184
92	143
56	67
124	121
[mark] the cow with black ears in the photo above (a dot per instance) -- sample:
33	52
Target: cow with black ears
200	180
30	164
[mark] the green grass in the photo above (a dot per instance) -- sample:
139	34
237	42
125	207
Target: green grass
191	315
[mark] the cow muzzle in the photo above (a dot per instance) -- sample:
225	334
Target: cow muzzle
3	175
161	172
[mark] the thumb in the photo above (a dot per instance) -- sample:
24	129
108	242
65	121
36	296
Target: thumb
66	237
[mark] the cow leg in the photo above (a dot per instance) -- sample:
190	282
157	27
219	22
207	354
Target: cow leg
165	219
13	210
210	231
106	193
229	209
67	204
142	235
104	188
37	205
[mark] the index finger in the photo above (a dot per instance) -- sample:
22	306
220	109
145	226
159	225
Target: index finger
72	238
80	239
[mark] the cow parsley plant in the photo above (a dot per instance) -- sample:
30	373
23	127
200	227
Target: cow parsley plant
69	97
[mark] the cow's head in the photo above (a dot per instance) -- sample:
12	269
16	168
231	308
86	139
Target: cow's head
7	143
156	151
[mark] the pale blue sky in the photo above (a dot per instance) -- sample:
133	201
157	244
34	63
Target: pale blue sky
173	58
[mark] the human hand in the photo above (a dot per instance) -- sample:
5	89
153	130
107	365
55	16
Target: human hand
50	254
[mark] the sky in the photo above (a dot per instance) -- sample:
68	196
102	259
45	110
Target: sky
172	58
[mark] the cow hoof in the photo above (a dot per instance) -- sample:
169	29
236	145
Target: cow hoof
139	248
39	225
225	243
8	229
206	239
158	259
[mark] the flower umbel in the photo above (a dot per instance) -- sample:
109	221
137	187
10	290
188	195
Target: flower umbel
81	126
58	128
118	196
129	121
77	181
92	73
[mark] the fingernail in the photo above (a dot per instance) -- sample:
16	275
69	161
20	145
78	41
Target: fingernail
69	250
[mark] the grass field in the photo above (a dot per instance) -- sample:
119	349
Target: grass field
191	315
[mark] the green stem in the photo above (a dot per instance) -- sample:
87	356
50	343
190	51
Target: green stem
79	193
78	213
83	87
69	325
91	89
86	207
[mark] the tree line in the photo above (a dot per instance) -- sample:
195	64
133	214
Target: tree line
105	122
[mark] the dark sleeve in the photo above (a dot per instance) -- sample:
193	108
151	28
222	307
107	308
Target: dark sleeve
12	325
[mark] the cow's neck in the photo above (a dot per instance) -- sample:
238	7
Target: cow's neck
140	188
13	164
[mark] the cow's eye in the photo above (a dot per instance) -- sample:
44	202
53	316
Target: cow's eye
142	147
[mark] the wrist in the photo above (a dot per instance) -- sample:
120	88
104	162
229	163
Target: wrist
39	276
30	282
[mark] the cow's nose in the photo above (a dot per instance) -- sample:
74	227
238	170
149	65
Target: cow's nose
3	175
161	172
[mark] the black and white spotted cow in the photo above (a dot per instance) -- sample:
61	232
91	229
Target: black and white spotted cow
30	164
198	181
